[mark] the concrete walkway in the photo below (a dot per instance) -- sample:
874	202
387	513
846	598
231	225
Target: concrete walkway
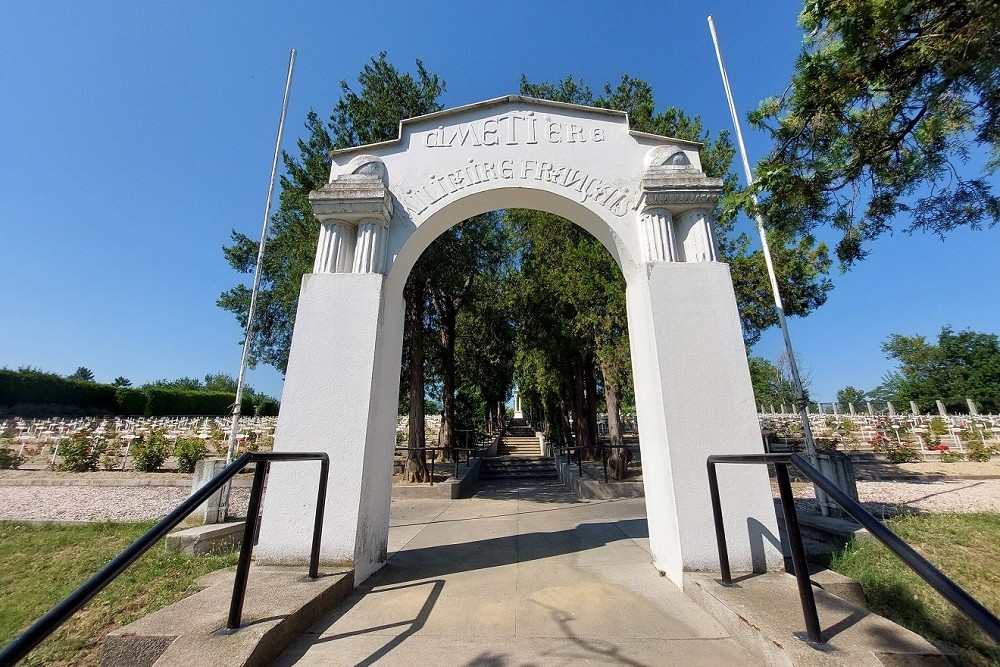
520	575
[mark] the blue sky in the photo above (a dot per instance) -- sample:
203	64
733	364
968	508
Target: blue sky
135	136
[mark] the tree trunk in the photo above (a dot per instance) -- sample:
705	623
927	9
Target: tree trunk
447	437
618	457
566	434
580	428
416	461
591	382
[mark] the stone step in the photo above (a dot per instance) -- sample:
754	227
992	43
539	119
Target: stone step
519	475
531	466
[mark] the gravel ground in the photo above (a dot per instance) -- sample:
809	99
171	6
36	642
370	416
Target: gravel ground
931	496
136	503
115	503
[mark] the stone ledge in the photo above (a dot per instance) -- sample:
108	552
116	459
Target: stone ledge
586	488
280	604
207	538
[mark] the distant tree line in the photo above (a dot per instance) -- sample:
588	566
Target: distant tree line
29	392
960	365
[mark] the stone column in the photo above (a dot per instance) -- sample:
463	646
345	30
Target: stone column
658	235
695	236
369	250
335	249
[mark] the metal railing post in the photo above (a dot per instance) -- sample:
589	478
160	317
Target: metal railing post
806	597
324	475
246	548
720	528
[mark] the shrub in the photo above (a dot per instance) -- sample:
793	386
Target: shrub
905	453
267	407
9	460
950	457
79	451
977	451
150	453
188	452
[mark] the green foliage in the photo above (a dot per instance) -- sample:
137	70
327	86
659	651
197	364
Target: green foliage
83	374
186	402
30	392
936	428
131	401
188	452
370	115
902	453
851	394
80	452
122	381
770	385
9	459
979	452
888	102
149	453
801	262
948	456
961	365
54	395
266	407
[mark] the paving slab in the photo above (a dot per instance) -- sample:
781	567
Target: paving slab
521	574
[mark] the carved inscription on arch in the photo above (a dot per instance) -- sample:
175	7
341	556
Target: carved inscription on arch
512	129
584	186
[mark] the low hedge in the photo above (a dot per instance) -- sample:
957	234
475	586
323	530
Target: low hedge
48	395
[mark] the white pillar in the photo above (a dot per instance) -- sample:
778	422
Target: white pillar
330	403
694	398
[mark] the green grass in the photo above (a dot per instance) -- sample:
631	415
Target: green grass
41	564
966	547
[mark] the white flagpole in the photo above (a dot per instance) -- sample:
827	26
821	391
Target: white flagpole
792	365
231	449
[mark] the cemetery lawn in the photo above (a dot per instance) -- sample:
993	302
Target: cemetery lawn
41	564
966	547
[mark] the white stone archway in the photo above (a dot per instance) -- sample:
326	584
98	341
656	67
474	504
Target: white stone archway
643	196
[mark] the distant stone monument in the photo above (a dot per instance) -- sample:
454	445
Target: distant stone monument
644	197
518	413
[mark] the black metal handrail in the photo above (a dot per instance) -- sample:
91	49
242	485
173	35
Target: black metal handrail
940	582
455	459
59	614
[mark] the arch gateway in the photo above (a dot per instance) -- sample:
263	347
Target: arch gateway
643	196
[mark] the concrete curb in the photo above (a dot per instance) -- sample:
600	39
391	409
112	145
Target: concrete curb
450	489
281	604
58	481
586	488
763	613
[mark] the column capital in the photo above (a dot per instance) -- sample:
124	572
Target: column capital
679	188
351	198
